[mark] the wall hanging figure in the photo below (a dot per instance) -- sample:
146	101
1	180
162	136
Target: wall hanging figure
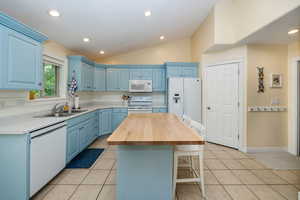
261	87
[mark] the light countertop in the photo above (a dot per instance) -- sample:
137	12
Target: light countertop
26	123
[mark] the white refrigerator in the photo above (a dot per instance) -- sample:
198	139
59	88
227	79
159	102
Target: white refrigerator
185	97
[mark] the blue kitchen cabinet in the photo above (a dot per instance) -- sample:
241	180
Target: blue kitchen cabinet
105	119
117	79
100	78
184	70
160	110
72	142
159	80
84	129
124	80
189	72
21	56
96	128
112	80
118	115
83	70
87	77
141	74
174	72
81	132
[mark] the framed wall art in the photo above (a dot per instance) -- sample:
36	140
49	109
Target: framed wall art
276	80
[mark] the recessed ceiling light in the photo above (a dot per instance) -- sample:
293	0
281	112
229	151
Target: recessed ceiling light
291	32
86	39
102	52
147	13
54	13
162	37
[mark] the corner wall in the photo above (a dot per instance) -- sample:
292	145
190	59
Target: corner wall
266	129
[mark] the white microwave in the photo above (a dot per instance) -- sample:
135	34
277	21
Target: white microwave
140	85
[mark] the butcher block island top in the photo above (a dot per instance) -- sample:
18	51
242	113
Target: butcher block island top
154	129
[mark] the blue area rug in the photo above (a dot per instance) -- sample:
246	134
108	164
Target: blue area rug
85	159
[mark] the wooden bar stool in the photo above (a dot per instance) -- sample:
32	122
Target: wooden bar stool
190	150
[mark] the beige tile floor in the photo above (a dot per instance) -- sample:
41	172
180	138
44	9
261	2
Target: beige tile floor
229	174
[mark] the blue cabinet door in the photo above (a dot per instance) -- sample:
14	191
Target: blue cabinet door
117	118
83	135
22	62
158	79
112	80
189	72
124	80
105	121
87	78
91	71
141	74
174	72
100	79
72	142
84	77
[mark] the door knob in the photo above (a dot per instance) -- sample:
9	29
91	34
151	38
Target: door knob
208	108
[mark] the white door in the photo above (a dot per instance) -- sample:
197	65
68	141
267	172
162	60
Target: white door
221	104
192	99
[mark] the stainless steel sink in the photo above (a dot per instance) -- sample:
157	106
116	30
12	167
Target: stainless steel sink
63	114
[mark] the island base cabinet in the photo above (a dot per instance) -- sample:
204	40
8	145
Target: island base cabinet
144	172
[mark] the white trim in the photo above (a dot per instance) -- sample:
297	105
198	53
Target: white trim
266	149
242	143
293	136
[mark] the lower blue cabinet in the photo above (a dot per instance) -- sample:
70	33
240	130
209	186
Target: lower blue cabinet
72	142
83	135
118	115
105	118
81	132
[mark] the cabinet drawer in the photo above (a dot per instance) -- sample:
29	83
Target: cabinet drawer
81	118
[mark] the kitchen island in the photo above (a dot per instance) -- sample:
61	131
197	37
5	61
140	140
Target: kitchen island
145	154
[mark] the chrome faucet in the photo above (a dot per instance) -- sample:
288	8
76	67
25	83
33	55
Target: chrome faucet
57	108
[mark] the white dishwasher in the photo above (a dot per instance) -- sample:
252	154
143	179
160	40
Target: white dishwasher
47	155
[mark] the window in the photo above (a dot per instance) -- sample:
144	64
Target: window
51	82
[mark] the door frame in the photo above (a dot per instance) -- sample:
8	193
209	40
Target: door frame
293	136
242	142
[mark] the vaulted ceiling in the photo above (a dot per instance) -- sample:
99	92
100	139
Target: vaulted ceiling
114	26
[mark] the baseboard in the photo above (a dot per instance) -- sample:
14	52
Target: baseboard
266	149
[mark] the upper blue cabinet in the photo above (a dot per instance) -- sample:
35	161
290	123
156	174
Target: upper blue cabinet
117	79
20	55
159	79
84	71
100	77
141	74
186	70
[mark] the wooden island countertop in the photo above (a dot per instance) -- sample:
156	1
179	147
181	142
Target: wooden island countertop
154	129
